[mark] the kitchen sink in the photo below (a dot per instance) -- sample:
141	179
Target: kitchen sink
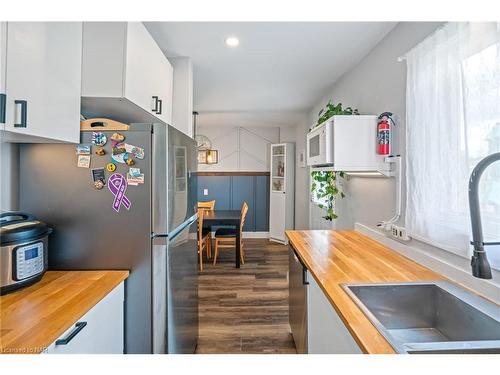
430	317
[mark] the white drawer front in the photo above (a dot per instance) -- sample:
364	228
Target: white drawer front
103	331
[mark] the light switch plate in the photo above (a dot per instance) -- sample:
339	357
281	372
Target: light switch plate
205	191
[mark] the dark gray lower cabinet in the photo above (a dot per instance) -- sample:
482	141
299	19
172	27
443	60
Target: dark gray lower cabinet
230	192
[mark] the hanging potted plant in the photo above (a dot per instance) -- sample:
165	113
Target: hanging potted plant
325	189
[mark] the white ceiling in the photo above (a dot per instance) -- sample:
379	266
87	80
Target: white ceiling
279	70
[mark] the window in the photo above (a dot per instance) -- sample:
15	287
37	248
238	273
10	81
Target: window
453	121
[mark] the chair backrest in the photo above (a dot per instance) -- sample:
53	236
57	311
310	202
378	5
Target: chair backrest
209	205
244	210
201	213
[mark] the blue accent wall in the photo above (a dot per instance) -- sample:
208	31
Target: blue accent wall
230	192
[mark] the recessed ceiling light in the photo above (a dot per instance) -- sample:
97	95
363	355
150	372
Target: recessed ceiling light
232	41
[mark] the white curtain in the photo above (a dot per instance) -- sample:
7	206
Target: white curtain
453	121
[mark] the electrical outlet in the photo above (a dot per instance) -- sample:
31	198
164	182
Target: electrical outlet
399	233
205	191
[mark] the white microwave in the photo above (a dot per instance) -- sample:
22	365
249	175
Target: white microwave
320	145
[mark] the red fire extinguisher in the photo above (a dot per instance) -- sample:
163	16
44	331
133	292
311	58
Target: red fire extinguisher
384	130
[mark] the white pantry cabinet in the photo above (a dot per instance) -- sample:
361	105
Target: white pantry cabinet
122	63
282	199
42	63
99	331
327	333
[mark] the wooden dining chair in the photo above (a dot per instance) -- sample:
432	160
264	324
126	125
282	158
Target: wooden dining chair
209	205
204	239
226	237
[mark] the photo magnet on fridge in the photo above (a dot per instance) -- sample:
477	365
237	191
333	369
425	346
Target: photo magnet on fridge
98	175
138	152
83	149
83	161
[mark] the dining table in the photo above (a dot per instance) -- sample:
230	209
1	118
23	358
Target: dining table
226	218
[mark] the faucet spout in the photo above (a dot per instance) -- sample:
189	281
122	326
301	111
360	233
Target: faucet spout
480	265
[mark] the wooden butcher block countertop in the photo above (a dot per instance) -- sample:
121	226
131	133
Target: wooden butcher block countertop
347	256
34	317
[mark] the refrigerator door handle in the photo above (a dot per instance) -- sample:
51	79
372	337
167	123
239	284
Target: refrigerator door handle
159	239
183	226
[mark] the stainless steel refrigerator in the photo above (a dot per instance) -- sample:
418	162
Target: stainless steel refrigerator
154	236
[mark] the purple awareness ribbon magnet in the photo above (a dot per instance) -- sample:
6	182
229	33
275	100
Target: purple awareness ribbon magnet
117	185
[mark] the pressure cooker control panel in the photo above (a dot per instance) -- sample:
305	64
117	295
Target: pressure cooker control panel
29	260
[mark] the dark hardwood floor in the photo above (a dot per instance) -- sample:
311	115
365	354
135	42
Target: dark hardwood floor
246	310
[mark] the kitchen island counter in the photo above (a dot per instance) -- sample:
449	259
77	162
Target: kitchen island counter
346	256
34	317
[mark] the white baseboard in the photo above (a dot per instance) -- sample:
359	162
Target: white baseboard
255	234
487	288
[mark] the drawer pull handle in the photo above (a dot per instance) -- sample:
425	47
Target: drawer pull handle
22	114
160	102
78	327
155	109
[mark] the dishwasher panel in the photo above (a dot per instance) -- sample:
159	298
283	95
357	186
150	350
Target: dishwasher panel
297	301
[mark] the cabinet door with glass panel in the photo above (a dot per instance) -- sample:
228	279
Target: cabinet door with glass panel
278	168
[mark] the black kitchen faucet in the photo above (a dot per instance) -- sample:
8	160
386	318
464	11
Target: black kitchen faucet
480	265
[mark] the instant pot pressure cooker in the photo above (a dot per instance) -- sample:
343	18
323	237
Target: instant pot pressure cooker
24	250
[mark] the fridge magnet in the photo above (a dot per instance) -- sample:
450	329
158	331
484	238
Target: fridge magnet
134	181
117	185
83	161
100	151
99	185
99	139
128	159
118	158
119	148
83	149
98	175
117	138
138	152
110	167
134	172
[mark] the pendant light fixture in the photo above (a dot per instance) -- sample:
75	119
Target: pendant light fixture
206	155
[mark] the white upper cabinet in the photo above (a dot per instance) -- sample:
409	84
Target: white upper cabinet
42	63
121	61
3	52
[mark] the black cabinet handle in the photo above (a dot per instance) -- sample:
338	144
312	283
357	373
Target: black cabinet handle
3	104
78	327
160	102
24	112
155	109
304	276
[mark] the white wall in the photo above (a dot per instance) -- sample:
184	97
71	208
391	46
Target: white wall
240	148
375	85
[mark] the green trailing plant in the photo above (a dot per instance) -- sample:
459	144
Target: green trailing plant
332	110
325	189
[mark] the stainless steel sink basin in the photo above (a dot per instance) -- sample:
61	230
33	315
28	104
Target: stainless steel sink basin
432	317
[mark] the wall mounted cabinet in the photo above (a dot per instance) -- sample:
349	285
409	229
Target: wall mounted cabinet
282	198
125	75
40	74
346	143
3	52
